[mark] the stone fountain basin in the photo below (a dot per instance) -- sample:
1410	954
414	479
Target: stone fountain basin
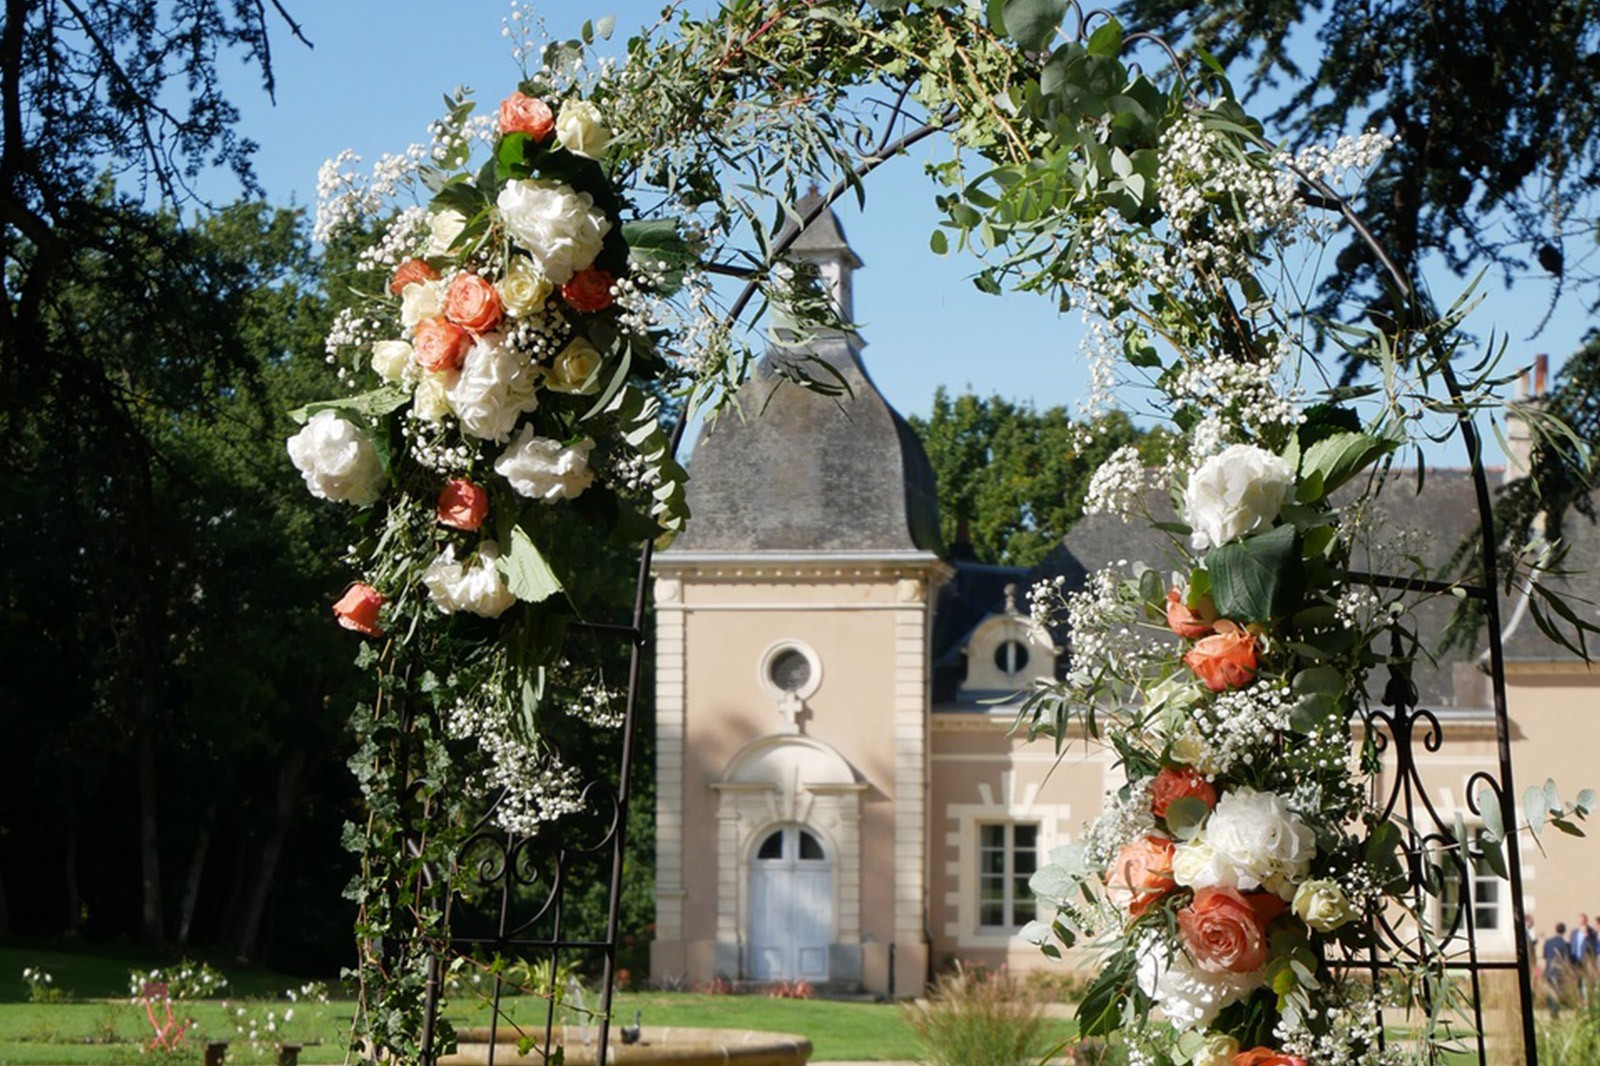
657	1044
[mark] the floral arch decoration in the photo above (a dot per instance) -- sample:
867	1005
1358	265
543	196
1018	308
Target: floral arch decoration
514	333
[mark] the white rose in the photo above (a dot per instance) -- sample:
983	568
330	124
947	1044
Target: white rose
560	228
524	289
545	469
443	229
1323	905
431	402
1190	997
574	368
495	387
1259	842
1196	865
337	460
390	359
1237	491
580	130
1218	1050
421	300
477	589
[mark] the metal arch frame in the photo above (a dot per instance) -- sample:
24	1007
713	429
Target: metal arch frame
1398	726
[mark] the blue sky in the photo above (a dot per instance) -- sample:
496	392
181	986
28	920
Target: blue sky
379	69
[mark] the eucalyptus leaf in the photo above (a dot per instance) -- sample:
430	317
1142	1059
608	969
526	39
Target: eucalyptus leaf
1186	816
527	573
372	405
1032	23
1339	457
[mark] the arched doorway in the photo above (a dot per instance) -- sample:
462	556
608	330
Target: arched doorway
791	907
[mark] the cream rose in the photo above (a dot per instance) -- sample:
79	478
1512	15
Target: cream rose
497	385
1323	906
1258	842
1196	865
574	369
1218	1050
443	229
431	402
560	228
1237	491
390	359
477	589
337	460
579	129
420	301
524	289
545	469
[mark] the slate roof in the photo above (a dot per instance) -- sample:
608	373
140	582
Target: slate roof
824	237
791	470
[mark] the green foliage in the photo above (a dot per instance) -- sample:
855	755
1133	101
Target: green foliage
1498	115
972	1018
1014	477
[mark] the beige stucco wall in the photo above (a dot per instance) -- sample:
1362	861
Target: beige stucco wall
866	626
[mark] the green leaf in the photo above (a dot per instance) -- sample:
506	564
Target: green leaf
1251	579
1318	691
1032	23
368	405
1100	1011
656	246
1186	816
1489	811
938	243
1339	457
1533	807
1585	802
527	574
1107	39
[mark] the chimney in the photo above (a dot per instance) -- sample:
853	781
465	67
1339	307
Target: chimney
1532	385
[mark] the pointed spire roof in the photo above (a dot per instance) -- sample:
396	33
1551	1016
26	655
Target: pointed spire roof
823	239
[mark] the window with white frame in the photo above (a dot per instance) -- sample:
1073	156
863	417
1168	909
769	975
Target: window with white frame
1485	892
1008	854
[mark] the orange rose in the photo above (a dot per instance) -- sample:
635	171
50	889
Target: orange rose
1227	932
463	505
357	609
1224	660
440	345
411	272
1191	624
526	114
472	303
1265	1056
589	290
1174	783
1141	874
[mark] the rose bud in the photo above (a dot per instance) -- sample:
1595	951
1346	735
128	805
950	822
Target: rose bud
520	113
472	303
1141	874
589	290
1194	623
1174	783
1225	660
357	609
411	272
463	505
440	345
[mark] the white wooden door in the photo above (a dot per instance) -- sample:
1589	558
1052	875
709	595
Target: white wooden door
791	907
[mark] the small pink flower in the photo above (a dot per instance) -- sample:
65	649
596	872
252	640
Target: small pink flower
357	609
463	505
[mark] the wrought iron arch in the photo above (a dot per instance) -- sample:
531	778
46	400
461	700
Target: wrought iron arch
527	877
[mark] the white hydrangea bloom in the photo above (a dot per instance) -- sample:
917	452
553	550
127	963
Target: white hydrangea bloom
1237	491
545	469
1256	842
496	386
477	589
560	228
1189	996
337	460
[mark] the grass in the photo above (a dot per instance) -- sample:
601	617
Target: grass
100	1026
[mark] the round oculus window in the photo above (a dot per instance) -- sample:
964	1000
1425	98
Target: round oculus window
789	670
1011	656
